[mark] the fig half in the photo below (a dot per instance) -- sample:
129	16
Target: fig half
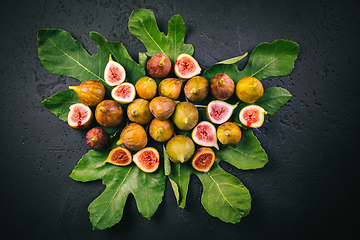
204	134
219	112
186	66
203	159
115	73
119	156
90	92
124	93
80	116
180	148
147	159
252	116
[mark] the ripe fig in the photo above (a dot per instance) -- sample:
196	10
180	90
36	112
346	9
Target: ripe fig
252	116
133	136
162	107
228	133
147	159
180	148
204	134
96	138
186	66
80	116
138	111
158	66
203	159
161	130
196	89
90	92
185	116
249	89
119	156
115	73
219	112
146	88
170	87
108	113
222	86
124	93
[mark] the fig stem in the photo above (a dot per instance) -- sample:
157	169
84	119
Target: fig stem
121	141
161	63
94	139
182	160
75	88
194	90
134	112
221	82
200	106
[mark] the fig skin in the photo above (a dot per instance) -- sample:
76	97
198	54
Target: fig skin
161	130
158	66
119	156
146	88
185	116
162	107
203	159
133	136
138	111
222	86
79	110
170	87
180	148
228	133
97	138
249	89
196	89
186	66
204	134
90	92
108	113
252	116
147	159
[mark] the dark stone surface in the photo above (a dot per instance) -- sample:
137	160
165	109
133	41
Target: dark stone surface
308	190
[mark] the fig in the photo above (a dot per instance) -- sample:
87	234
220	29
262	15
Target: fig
170	87
147	159
228	133
133	136
138	111
158	66
180	148
162	107
222	86
203	159
124	93
119	156
146	88
108	113
185	116
161	130
80	116
252	116
97	138
249	89
204	134
219	112
196	89
115	73
186	66
90	92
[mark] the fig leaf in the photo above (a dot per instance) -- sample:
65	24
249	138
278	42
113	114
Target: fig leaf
142	24
107	209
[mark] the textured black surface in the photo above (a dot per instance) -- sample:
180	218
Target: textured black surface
308	190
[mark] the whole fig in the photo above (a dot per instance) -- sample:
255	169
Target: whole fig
161	130
170	87
96	138
196	89
222	86
108	113
162	107
90	92
185	116
138	111
146	88
158	66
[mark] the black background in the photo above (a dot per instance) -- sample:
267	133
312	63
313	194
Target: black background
308	190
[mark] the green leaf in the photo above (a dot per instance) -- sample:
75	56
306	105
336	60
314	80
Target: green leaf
224	196
142	24
106	210
247	154
60	102
167	164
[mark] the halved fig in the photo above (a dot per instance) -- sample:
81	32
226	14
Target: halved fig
222	86
146	88
133	136
162	107
196	88
158	66
170	87
204	134
219	112
80	116
115	73
90	92
228	133
108	113
249	89
138	111
147	159
119	156
252	116
203	159
186	66
180	148
97	138
124	93
161	130
185	116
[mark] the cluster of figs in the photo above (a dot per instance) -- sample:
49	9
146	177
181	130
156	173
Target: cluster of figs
155	109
